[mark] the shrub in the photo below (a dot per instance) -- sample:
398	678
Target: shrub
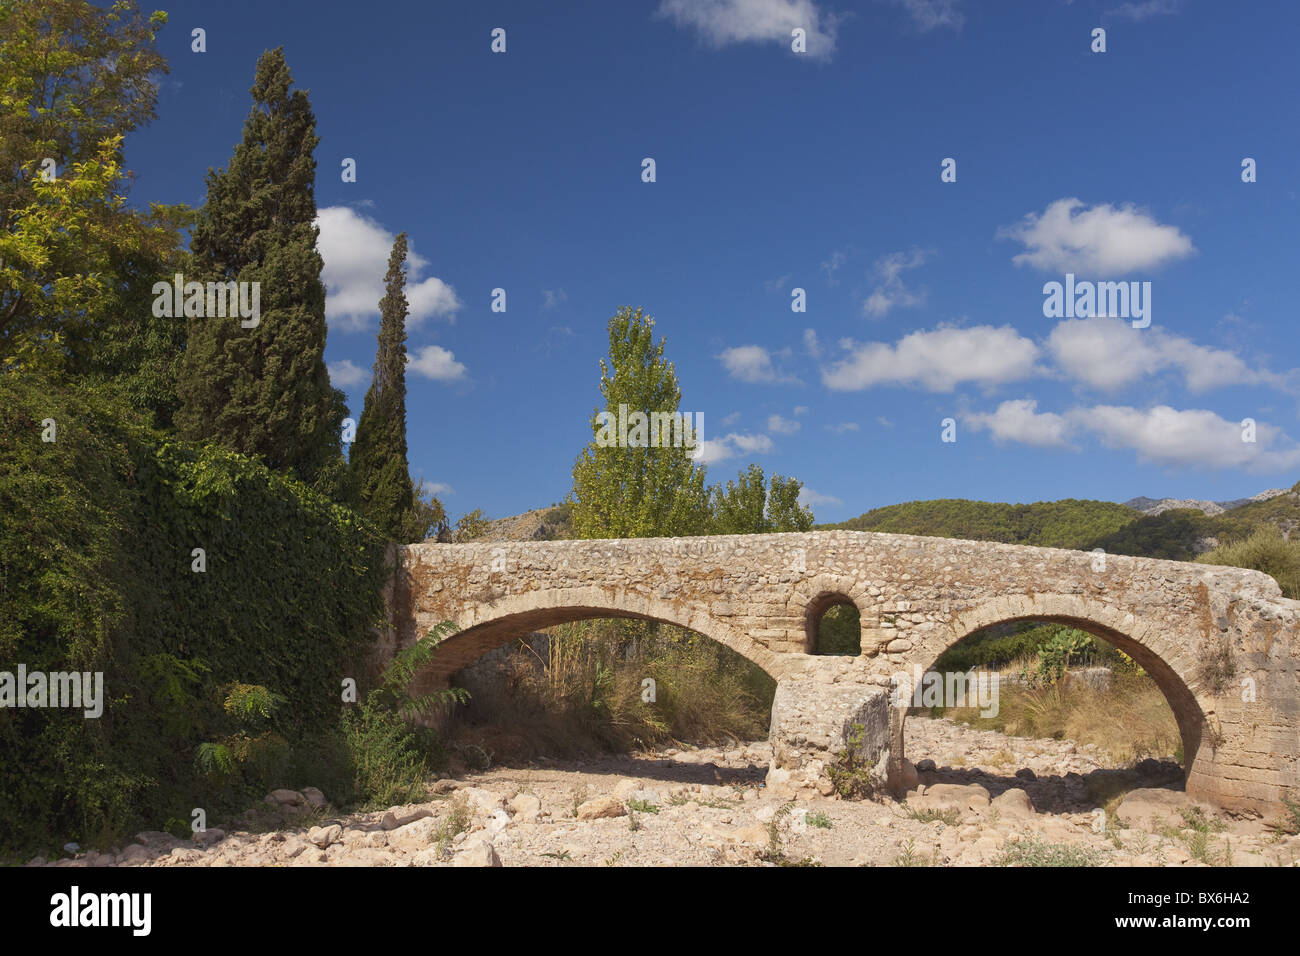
1263	550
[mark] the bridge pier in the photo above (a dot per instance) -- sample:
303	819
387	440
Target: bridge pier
817	724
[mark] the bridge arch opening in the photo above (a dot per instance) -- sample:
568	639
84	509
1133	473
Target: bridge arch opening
833	625
1138	722
560	679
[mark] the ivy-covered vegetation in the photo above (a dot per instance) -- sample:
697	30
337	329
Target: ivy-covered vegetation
99	572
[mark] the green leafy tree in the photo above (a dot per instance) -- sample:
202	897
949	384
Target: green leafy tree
76	263
750	506
645	491
379	468
264	390
427	517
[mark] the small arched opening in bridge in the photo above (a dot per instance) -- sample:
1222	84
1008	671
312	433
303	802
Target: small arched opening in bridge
1073	697
553	678
833	625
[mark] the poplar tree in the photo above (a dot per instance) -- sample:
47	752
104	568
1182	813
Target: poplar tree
637	492
379	468
264	390
751	505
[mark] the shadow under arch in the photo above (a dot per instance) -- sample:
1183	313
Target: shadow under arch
1188	713
485	627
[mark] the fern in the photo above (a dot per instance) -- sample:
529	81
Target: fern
394	689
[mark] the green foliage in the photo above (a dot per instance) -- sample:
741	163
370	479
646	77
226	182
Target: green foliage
1053	644
748	506
394	690
391	756
264	391
840	630
1063	647
949	817
1034	852
96	534
851	773
77	77
470	526
637	492
1054	524
426	519
1263	550
378	460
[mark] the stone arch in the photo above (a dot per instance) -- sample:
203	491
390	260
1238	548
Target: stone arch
488	625
1153	644
817	593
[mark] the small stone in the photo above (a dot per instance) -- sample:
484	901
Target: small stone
324	836
480	853
601	808
209	836
314	797
526	807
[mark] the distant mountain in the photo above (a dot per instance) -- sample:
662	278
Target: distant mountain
1179	531
1156	506
1171	528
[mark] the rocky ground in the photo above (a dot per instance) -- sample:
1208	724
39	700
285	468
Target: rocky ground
1030	802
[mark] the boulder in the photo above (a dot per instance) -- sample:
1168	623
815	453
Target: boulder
286	798
1013	803
314	797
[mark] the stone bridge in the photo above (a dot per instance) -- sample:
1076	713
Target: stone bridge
1221	643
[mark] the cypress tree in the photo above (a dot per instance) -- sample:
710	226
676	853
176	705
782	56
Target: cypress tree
264	391
379	467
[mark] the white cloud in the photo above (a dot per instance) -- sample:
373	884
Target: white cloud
801	409
724	22
1102	240
753	363
355	250
782	426
1161	435
891	291
346	373
813	498
1019	421
842	427
731	419
937	360
930	14
810	343
438	488
1144	9
832	266
1109	353
1188	437
435	362
553	298
730	446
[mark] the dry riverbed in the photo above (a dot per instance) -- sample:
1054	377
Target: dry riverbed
1029	801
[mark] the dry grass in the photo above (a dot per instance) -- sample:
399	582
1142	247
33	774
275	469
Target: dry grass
1129	722
585	693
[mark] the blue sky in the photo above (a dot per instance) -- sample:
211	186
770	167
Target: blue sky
778	170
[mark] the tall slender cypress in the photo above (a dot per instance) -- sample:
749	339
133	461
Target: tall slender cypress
379	467
264	390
